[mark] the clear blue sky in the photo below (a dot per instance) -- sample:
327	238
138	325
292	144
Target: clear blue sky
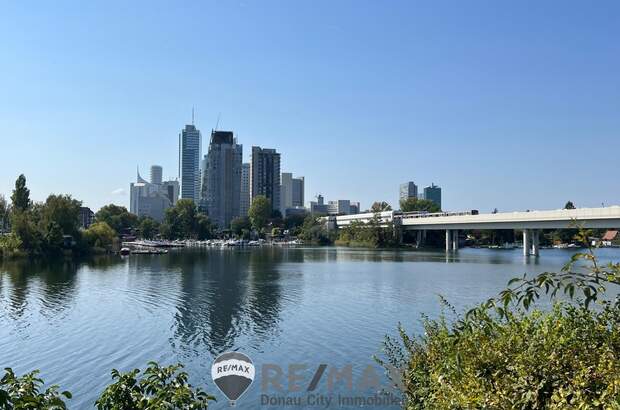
513	105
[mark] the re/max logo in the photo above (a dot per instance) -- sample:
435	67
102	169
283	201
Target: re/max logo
295	378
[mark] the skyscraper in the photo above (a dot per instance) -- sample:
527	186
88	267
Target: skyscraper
156	174
433	193
408	190
286	192
190	147
244	206
265	175
221	183
291	192
298	192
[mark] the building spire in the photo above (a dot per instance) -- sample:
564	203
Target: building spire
192	115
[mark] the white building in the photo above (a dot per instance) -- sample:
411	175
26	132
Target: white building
147	199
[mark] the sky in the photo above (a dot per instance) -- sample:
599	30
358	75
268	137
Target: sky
508	105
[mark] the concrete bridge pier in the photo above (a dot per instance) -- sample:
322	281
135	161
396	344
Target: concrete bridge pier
452	240
418	240
526	242
455	240
535	242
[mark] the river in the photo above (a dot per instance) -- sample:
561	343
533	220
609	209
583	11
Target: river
298	307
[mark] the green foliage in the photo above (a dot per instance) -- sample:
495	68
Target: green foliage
315	232
183	221
566	358
505	354
10	244
117	217
371	234
240	225
53	237
380	207
294	223
158	388
26	392
260	212
4	213
63	211
24	227
100	235
414	204
21	195
148	227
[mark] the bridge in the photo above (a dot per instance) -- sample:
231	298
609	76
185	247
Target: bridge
531	222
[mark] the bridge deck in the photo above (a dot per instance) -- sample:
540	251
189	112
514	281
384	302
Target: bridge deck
608	217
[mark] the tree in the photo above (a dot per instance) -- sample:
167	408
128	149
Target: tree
314	231
183	221
380	207
239	225
100	235
148	227
158	388
25	230
63	211
569	205
21	195
4	212
259	212
117	217
53	237
294	221
204	228
420	205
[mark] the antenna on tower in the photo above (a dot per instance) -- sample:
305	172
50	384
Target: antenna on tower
192	115
219	114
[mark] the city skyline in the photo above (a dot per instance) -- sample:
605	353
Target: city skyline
496	104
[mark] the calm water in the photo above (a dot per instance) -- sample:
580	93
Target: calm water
76	321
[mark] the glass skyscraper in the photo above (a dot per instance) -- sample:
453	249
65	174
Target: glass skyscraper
221	186
190	148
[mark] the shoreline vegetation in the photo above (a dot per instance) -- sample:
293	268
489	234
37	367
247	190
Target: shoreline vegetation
52	228
506	352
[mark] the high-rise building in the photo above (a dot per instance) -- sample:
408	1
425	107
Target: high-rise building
433	193
221	183
298	192
265	175
408	190
152	200
156	174
244	199
286	192
291	192
190	148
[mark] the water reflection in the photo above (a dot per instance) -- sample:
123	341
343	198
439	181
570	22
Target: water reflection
50	284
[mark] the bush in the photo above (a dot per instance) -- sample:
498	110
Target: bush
501	354
100	235
158	388
25	392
